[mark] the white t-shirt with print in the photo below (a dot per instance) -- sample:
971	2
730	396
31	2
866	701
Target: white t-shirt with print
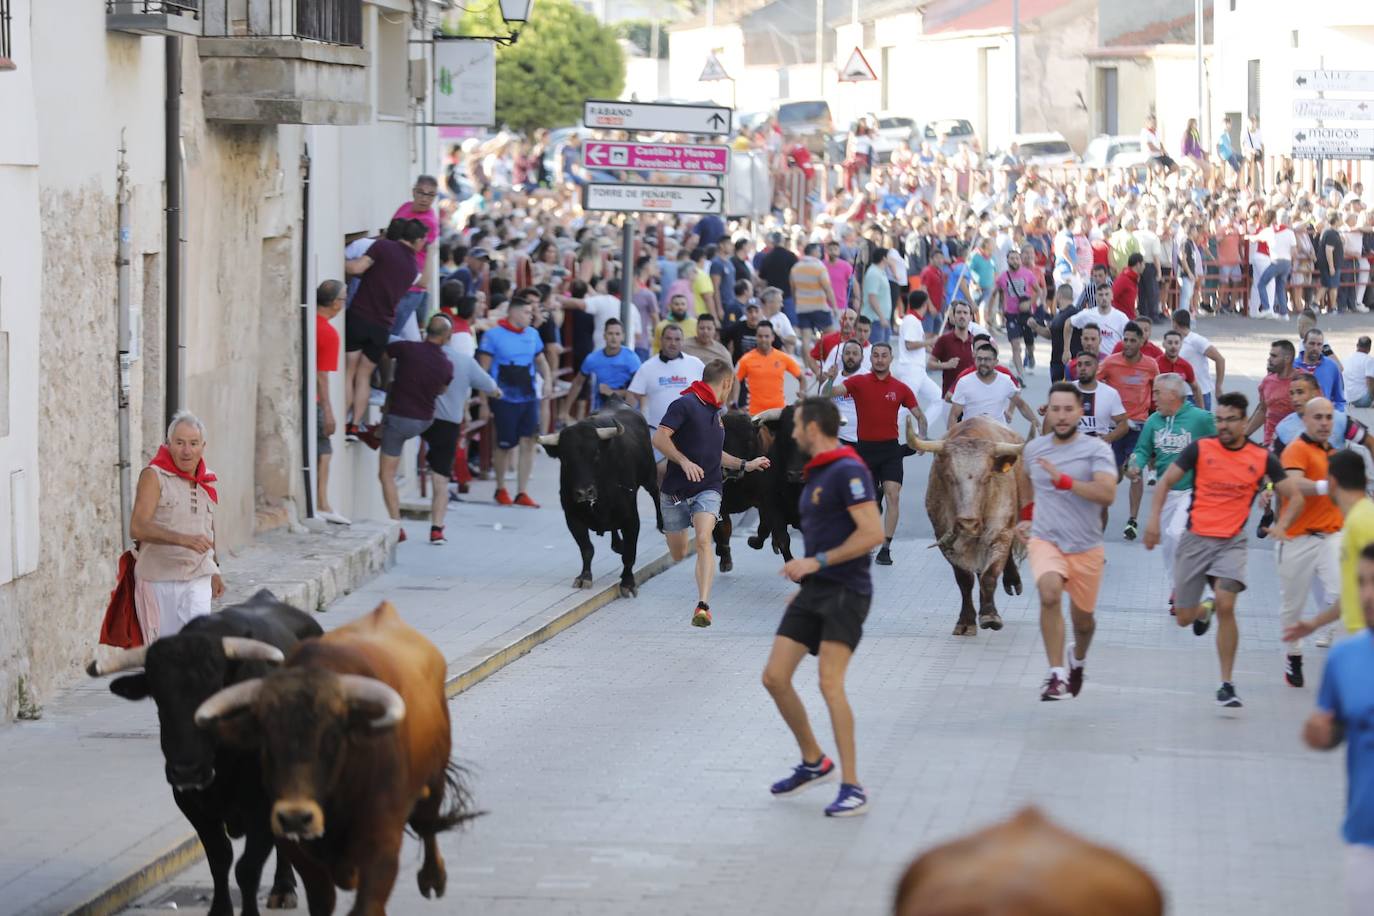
1106	406
662	382
1112	325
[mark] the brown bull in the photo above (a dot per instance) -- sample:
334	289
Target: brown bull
1026	866
354	739
973	505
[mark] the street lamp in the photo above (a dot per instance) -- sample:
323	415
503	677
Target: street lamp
515	13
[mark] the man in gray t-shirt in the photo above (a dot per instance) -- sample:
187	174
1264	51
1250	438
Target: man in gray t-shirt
1066	478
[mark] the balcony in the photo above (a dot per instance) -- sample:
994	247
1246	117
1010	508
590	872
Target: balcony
284	62
153	17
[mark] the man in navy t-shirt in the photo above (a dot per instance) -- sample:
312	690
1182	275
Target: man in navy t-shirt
840	525
691	437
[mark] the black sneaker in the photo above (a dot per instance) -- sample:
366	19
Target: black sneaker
1131	530
884	557
1201	625
1075	679
436	536
1226	696
1292	670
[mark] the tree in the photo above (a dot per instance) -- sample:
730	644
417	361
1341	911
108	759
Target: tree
564	57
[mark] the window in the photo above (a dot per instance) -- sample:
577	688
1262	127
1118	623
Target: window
1107	100
391	57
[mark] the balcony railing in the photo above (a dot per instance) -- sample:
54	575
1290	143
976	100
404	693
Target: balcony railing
154	17
338	22
154	7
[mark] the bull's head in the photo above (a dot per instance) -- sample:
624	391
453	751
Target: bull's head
783	452
302	720
180	672
578	449
964	465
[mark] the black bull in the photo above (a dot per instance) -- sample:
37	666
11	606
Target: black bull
603	461
218	788
775	492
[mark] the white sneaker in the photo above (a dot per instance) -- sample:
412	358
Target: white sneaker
1324	638
1362	309
333	518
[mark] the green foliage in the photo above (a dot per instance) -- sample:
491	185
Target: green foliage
639	32
564	57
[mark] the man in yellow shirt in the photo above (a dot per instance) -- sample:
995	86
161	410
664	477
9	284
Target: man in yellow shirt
677	314
762	370
1348	485
703	290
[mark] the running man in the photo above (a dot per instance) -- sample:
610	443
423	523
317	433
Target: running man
1229	471
1349	487
1132	374
692	437
988	393
763	368
840	525
878	398
1066	478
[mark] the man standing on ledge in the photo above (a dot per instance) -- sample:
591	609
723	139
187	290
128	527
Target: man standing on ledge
840	525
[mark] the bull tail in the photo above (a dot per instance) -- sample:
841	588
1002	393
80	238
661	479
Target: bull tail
456	809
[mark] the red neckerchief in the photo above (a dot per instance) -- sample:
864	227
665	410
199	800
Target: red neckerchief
824	458
202	478
510	327
703	391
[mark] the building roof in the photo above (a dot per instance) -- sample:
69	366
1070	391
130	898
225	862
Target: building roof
727	12
943	16
1166	31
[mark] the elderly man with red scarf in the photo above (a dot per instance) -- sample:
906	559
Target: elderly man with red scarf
691	436
173	522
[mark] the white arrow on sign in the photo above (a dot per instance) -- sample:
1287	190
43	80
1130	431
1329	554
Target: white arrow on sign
653	198
1334	109
656	116
1334	80
856	69
1333	142
713	71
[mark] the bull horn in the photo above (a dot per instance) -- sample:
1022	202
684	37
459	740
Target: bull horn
932	446
370	690
118	660
1007	449
609	432
236	647
767	416
228	700
548	439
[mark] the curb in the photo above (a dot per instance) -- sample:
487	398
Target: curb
465	672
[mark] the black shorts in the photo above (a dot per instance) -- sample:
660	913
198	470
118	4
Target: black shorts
361	334
442	438
1122	448
825	611
1016	325
884	459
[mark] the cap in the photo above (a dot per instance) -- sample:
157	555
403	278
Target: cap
479	253
752	304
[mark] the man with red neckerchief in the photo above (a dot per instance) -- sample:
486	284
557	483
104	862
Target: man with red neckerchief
840	525
691	436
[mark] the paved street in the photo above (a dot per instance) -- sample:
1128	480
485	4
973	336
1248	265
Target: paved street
625	764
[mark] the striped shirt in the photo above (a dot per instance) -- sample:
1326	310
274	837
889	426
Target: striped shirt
810	280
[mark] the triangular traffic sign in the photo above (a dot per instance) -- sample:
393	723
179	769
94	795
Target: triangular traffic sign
713	70
857	70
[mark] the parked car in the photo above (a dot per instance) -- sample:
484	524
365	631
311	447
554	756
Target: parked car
1115	151
808	120
1048	148
945	134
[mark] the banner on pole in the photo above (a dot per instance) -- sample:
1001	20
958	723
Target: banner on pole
464	83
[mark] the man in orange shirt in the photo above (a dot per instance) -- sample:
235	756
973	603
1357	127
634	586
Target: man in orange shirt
762	369
1312	547
1132	374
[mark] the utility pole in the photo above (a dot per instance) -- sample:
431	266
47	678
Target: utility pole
1197	50
1016	66
820	48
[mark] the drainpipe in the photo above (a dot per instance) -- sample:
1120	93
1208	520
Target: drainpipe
172	231
307	421
122	271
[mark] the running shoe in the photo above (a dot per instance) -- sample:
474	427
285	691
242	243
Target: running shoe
1323	640
1201	625
805	776
702	617
1292	670
351	432
1075	679
523	499
503	498
1054	688
884	557
436	536
401	538
851	802
1226	696
1131	530
1152	479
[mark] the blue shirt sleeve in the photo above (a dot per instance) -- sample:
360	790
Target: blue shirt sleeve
1329	697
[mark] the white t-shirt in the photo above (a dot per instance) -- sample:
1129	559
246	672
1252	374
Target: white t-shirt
1194	353
1358	367
849	427
896	267
833	358
782	326
604	307
1149	143
1112	325
981	399
662	383
909	362
1281	243
1100	408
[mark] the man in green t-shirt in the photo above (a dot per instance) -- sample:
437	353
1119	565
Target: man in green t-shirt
1173	426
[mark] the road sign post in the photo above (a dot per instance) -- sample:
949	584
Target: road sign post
657	116
1333	80
656	157
652	198
1333	142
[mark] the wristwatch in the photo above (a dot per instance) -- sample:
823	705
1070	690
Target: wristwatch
820	558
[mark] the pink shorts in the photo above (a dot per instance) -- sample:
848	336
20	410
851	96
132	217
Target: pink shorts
1081	572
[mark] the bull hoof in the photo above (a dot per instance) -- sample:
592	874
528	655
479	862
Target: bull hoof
582	582
756	542
433	880
628	591
990	621
726	564
1012	588
965	629
282	900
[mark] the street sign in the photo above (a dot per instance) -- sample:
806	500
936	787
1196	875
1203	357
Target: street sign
657	116
653	198
713	71
464	83
656	157
1333	142
856	69
1334	109
1334	80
